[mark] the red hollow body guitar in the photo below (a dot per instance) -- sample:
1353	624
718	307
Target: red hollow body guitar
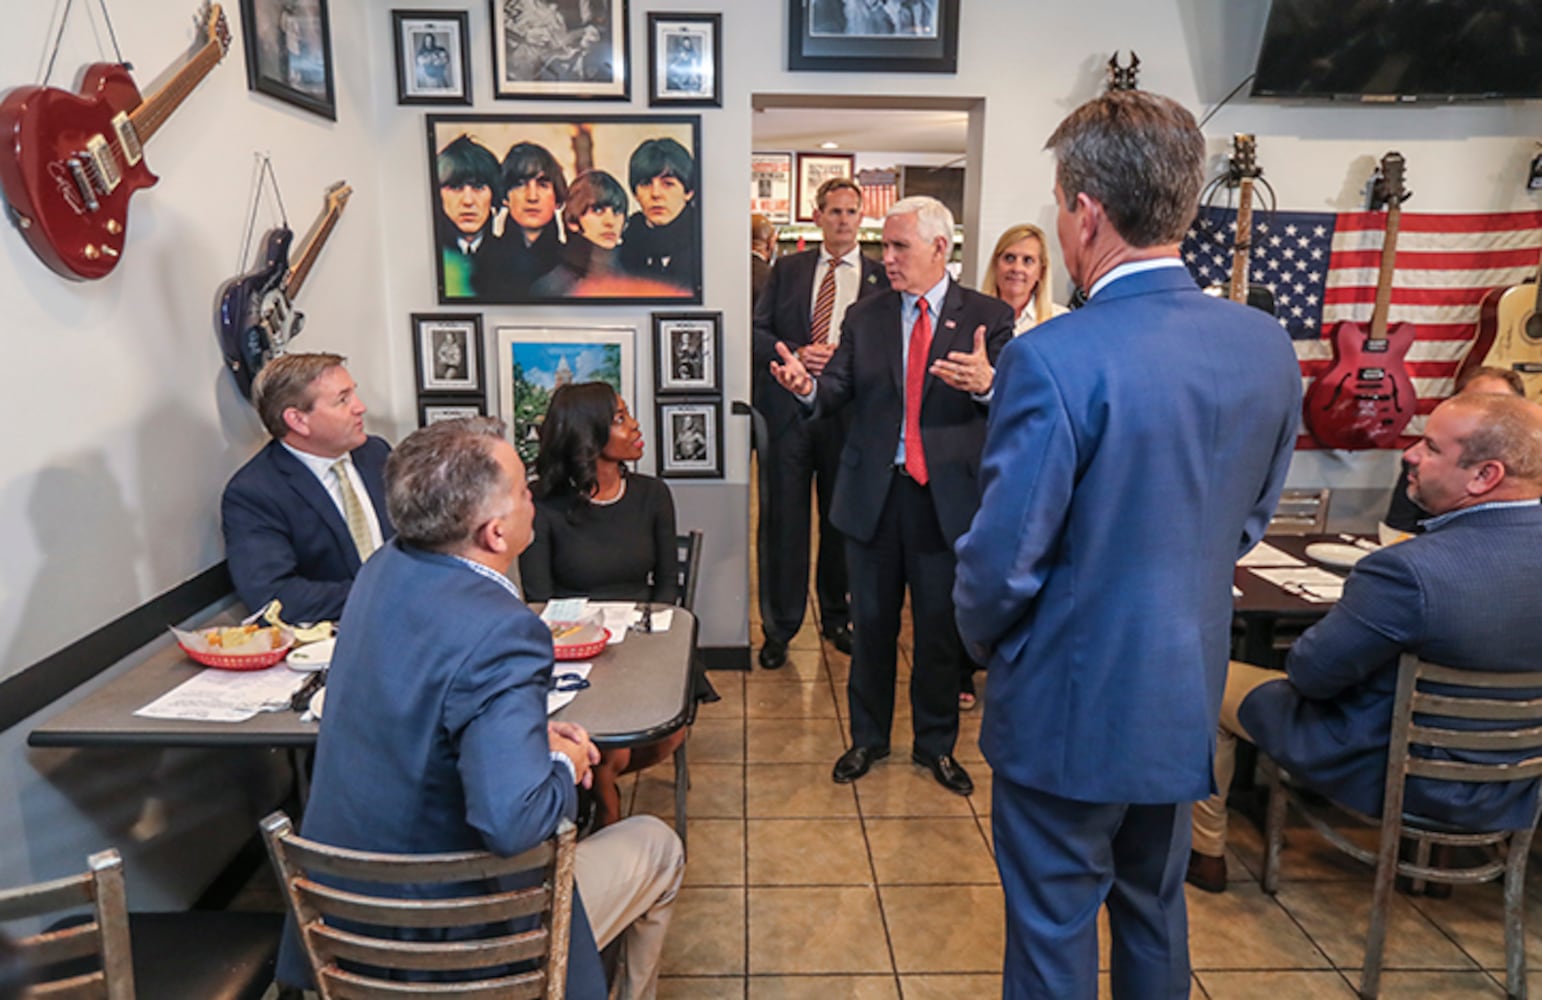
1367	398
70	162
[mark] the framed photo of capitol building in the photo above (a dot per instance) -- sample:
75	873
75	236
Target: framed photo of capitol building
534	362
547	208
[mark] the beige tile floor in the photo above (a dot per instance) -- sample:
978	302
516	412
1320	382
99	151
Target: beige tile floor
800	888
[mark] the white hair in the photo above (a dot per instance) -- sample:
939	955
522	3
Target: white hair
932	217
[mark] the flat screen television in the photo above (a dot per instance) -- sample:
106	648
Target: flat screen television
1402	50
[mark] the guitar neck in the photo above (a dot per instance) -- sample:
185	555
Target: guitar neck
155	109
1242	246
1384	277
301	268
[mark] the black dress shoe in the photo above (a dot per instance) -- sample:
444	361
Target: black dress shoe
773	653
948	772
855	762
840	638
1206	872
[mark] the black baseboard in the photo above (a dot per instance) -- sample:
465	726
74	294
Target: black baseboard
725	657
38	686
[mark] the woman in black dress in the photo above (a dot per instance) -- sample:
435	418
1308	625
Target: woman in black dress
602	532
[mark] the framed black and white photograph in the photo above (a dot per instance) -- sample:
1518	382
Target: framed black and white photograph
688	352
867	36
561	50
449	353
690	438
685	60
289	52
534	362
813	170
432	409
771	185
598	208
433	65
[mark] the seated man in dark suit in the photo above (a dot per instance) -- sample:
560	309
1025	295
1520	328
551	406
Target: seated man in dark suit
1463	595
436	736
304	513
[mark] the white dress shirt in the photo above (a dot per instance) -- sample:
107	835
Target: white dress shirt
848	281
321	468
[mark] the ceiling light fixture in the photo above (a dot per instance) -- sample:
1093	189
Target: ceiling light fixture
829	145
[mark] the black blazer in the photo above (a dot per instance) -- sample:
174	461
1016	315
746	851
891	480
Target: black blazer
866	371
783	313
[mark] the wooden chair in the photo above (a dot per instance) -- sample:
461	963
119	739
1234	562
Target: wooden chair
340	926
1472	697
1301	512
57	955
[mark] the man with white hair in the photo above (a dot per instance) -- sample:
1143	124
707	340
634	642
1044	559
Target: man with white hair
915	365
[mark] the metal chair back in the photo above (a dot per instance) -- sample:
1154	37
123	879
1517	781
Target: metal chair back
689	566
105	937
354	939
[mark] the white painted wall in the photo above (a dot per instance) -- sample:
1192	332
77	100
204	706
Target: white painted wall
120	428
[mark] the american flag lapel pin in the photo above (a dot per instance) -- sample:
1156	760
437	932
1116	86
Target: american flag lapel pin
949	324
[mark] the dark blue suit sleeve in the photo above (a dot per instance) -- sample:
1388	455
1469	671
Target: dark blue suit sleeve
1379	616
763	328
496	712
1027	477
836	384
260	549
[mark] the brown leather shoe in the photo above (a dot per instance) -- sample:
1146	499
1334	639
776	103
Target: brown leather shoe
1206	873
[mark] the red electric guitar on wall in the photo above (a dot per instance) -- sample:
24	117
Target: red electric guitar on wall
1366	399
69	162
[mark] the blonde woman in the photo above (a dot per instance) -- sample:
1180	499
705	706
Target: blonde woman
1016	276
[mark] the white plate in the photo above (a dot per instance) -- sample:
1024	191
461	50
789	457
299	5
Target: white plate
318	701
312	656
1334	554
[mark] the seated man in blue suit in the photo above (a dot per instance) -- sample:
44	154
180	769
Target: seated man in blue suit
304	513
435	737
1136	449
1463	594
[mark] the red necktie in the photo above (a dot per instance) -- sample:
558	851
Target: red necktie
915	380
824	306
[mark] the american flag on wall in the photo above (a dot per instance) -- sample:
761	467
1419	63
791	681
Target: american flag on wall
879	192
1322	268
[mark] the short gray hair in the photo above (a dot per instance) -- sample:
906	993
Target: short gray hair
1509	432
1140	156
443	481
932	217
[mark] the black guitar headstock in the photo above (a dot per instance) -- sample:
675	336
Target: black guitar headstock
1243	161
1387	188
1123	77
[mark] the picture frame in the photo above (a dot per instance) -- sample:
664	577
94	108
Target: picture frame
289	53
813	170
569	51
687	352
433	61
550	250
448	350
432	409
533	361
685	60
903	36
771	185
690	432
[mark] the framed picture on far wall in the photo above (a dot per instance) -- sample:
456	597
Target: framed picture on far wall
449	354
896	36
432	409
600	208
688	352
433	65
685	60
690	434
289	52
549	50
534	362
813	170
771	185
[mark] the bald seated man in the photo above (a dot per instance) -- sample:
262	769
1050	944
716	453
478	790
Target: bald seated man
1462	595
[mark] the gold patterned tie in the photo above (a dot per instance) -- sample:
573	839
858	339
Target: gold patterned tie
353	511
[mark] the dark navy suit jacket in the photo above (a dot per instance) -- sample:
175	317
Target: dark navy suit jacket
434	734
867	371
1463	595
1136	448
285	538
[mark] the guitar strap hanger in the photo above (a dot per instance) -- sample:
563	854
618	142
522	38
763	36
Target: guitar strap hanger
64	19
265	178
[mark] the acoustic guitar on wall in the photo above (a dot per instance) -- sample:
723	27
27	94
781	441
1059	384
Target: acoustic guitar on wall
1242	169
1510	333
1367	397
70	162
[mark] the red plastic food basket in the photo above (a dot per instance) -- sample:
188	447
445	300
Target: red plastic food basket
581	651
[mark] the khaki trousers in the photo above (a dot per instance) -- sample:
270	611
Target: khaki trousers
1210	814
628	875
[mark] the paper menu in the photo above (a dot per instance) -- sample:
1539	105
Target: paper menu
1264	554
1306	582
226	695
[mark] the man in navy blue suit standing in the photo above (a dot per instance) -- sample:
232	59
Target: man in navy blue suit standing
1135	450
305	512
